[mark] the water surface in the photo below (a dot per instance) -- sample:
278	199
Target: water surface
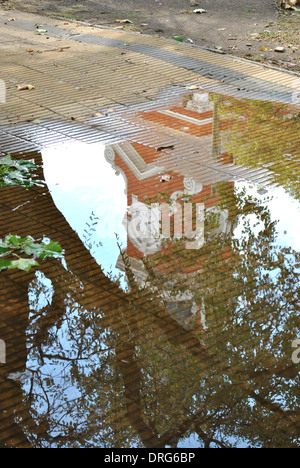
143	340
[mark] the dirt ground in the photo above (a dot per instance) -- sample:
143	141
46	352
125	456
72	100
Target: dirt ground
253	29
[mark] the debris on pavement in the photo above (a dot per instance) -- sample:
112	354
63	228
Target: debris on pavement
25	87
199	11
289	4
123	21
165	178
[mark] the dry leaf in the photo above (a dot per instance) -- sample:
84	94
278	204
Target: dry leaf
289	4
163	148
165	178
97	114
123	21
25	87
193	87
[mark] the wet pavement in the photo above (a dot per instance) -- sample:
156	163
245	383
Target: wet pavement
171	181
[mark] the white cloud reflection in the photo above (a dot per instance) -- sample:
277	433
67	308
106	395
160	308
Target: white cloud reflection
86	190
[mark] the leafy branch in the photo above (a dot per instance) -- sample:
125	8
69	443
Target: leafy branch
11	246
17	172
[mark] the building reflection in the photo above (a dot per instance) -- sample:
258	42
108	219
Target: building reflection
163	182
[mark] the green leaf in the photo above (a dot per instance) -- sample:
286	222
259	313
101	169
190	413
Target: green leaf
179	38
4	264
13	241
23	264
16	245
31	248
53	247
17	172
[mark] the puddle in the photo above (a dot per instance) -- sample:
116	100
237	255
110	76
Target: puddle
173	317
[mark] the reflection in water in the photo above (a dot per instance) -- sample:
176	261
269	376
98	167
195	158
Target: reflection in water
83	187
189	347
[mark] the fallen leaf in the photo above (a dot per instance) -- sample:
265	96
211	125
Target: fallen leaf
165	178
289	4
123	21
25	87
162	148
18	121
97	114
192	87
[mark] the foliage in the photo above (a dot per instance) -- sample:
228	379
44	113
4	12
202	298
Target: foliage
264	135
17	172
11	246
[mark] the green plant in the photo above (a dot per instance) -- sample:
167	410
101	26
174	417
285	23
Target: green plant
12	246
17	172
178	38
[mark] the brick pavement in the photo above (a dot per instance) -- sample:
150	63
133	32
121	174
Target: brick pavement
78	71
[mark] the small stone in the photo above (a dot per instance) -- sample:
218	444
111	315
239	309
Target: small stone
280	49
